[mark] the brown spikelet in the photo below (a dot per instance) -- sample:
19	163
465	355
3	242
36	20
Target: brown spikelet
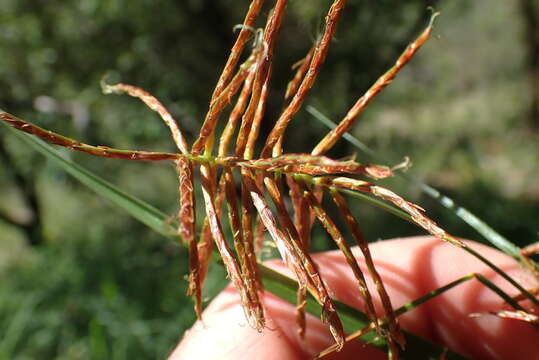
188	230
337	236
237	48
205	243
219	104
245	253
303	221
330	139
101	151
297	260
301	69
319	57
235	115
311	165
154	104
416	213
229	261
257	121
395	334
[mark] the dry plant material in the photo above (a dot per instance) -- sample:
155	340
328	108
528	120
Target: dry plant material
319	56
306	177
527	253
245	251
237	48
395	335
517	315
187	230
303	221
337	236
330	139
294	256
153	104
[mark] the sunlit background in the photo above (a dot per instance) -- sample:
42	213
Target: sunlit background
81	279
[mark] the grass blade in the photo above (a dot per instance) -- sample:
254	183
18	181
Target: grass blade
140	210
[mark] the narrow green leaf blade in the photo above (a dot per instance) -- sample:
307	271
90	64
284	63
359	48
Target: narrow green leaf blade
140	210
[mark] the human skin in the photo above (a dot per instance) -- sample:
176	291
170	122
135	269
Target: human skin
410	267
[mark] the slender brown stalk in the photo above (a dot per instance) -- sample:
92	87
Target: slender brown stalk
187	230
333	136
248	268
235	115
337	236
219	104
271	31
154	104
394	328
246	225
308	165
319	56
237	48
259	114
229	261
101	151
297	260
416	212
284	218
204	249
303	221
301	69
205	243
301	212
517	315
247	119
292	89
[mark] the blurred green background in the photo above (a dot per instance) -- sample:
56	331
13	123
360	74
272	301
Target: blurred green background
80	279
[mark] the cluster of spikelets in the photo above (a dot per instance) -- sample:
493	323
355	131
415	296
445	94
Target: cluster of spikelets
307	178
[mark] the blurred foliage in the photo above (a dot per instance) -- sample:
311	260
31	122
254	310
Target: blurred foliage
102	286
